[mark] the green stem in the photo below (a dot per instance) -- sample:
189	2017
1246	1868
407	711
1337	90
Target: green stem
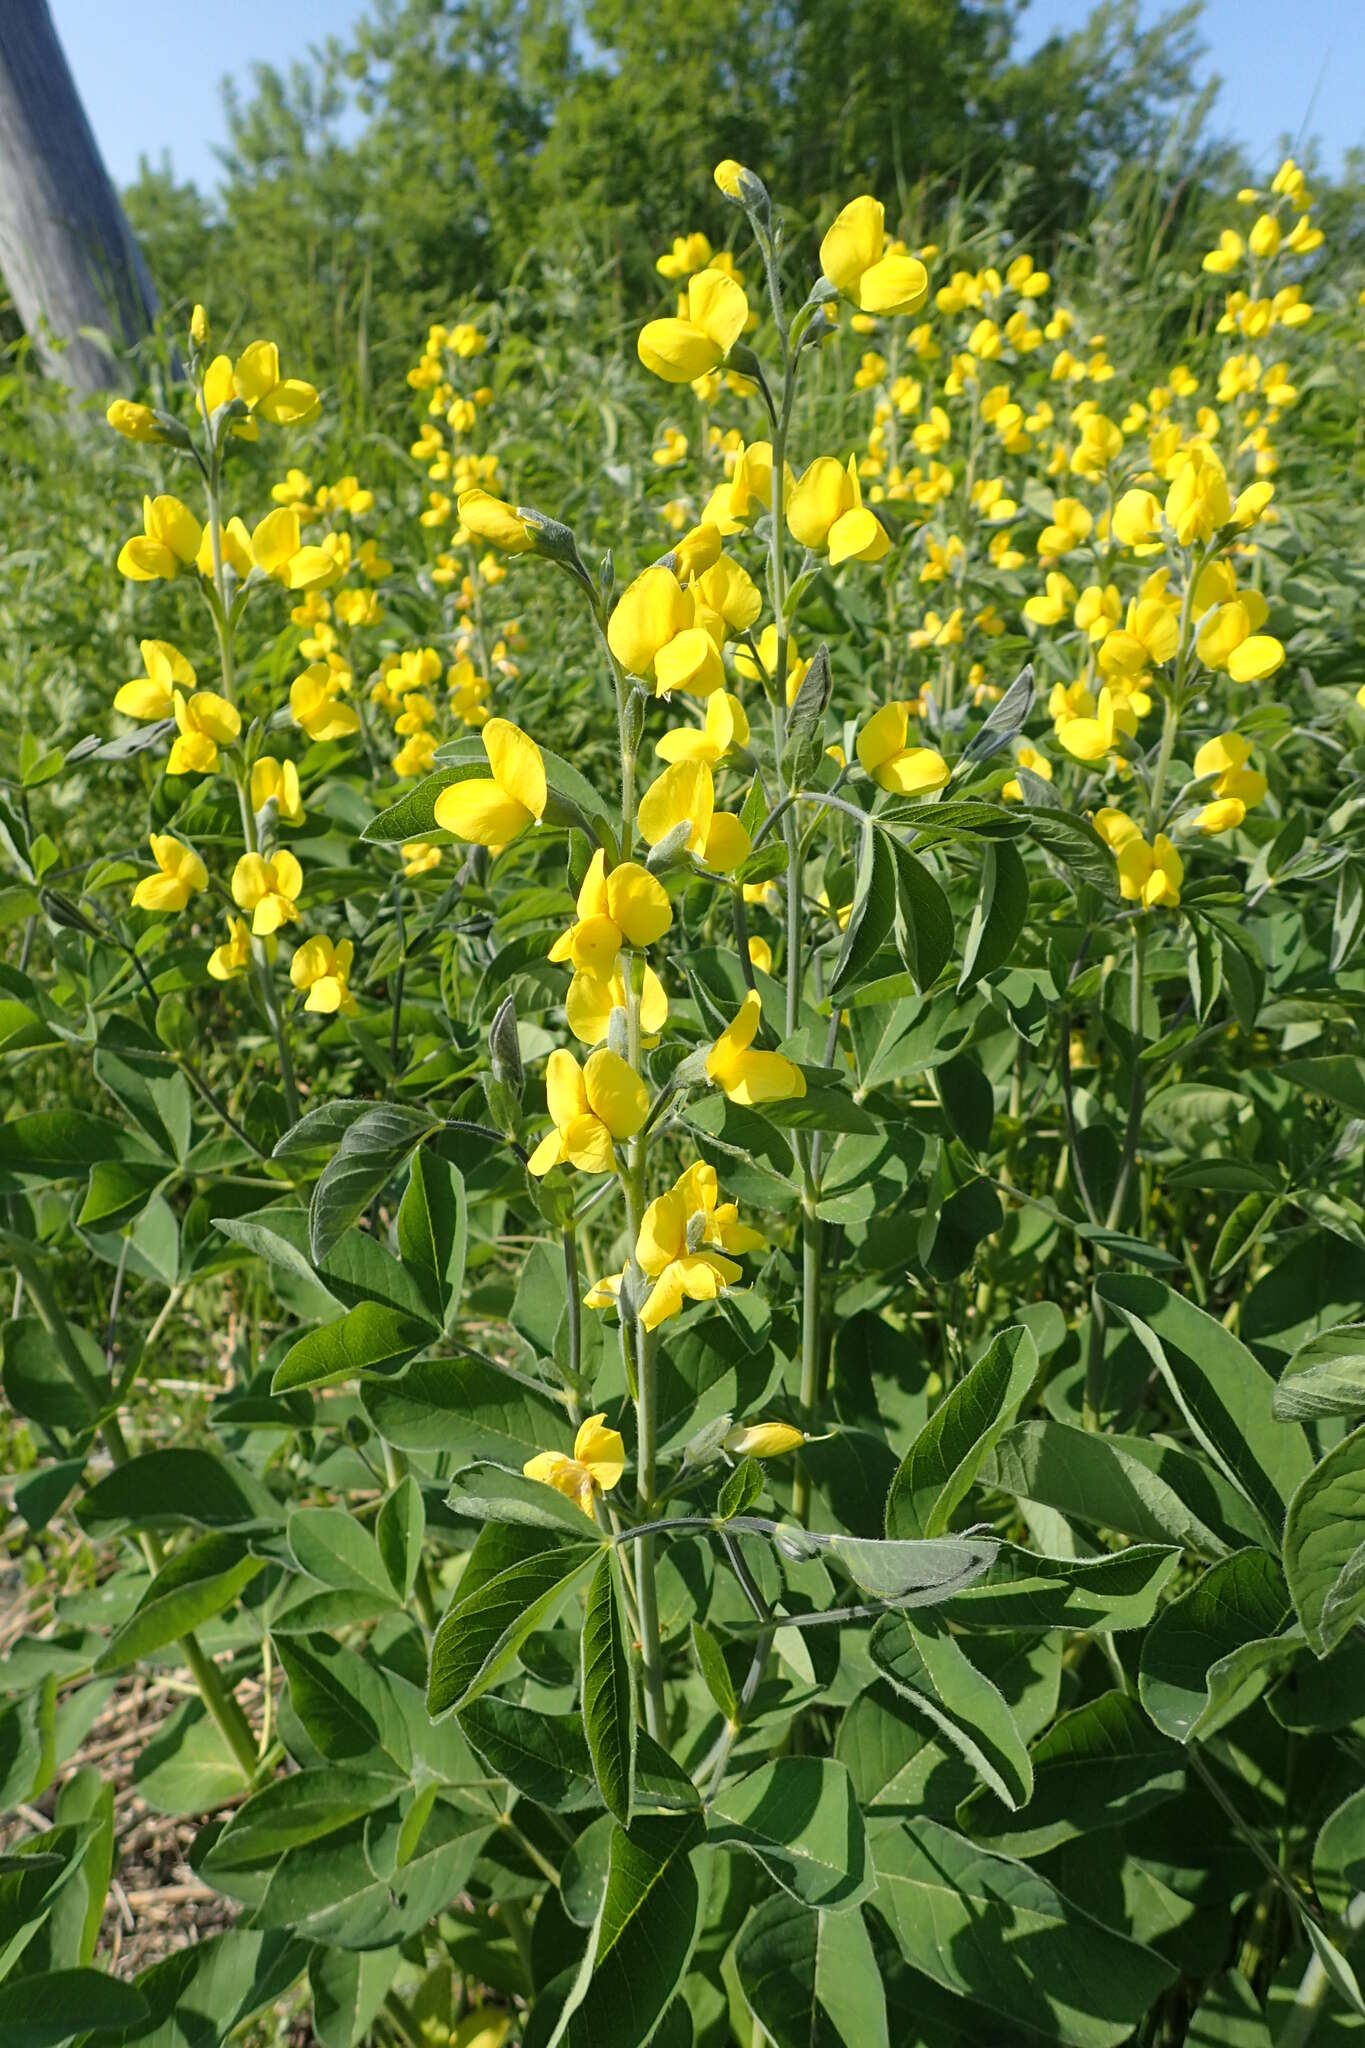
811	1235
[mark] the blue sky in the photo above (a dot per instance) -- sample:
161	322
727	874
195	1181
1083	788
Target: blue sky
154	86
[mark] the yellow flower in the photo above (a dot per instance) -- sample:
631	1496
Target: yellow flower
762	1440
1091	738
681	349
277	781
419	858
234	545
490	519
180	875
1150	875
694	553
206	722
1071	524
747	1076
854	257
592	997
268	889
591	1107
885	754
153	695
135	422
494	811
672	451
689	253
683	1236
1227	255
726	726
825	512
1238	788
277	549
728	590
761	955
168	543
1036	763
199	327
659	629
284	401
233	957
599	1459
1228	640
1058	598
628	907
686	793
314	703
1197	503
765	668
324	970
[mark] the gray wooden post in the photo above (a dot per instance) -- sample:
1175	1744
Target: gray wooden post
66	250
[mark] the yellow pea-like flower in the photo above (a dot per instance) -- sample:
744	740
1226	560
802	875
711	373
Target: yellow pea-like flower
135	422
628	907
685	794
599	1459
826	513
269	889
592	1108
592	997
315	703
688	1243
206	722
233	957
285	401
168	543
180	874
491	519
725	726
277	781
885	753
419	858
493	811
699	339
324	971
234	547
747	1076
762	1440
855	259
1150	875
153	695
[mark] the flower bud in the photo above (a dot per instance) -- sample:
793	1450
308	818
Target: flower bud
504	1047
762	1440
199	327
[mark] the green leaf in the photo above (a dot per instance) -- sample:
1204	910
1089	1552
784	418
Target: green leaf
714	1669
26	1744
490	1493
545	1756
180	1485
196	1583
1339	1854
811	1979
300	1808
432	1231
1021	1590
1340	1077
346	1705
741	1489
369	1338
42	2011
929	1668
924	920
999	916
1133	1485
37	1379
608	1709
1224	1392
186	1766
941	1465
467	1406
1098	1766
872	914
63	1144
348	1990
370	1153
913	1574
641	1941
799	1816
333	1548
1337	1970
492	1614
1325	1376
1324	1545
1211	1652
399	1532
997	1933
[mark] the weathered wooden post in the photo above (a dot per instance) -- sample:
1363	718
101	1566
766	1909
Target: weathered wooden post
66	250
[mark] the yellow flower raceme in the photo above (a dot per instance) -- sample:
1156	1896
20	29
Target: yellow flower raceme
168	543
269	889
826	513
599	1459
886	755
685	794
324	971
592	1107
855	259
683	1241
747	1076
153	695
206	722
494	811
180	874
628	907
699	339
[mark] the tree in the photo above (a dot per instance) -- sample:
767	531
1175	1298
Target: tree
66	250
